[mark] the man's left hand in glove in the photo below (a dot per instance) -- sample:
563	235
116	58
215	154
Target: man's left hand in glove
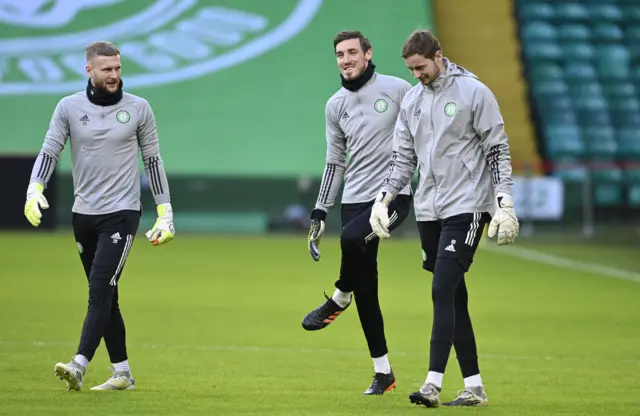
162	231
504	222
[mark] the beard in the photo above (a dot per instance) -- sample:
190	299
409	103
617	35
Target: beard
106	86
429	80
356	73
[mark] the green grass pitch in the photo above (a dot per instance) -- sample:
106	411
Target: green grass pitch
213	327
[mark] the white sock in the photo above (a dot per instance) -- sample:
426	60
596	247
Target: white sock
82	360
435	378
122	367
473	381
381	365
341	298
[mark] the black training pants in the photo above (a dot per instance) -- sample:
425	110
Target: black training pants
104	242
448	248
359	267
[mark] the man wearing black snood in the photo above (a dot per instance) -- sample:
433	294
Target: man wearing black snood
107	129
360	120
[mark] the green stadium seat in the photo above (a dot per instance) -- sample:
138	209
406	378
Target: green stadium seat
633	195
621	119
614	54
539	31
542	50
589	110
558	87
555	102
536	10
635	76
609	71
628	139
628	105
564	141
574	32
633	33
625	111
578	50
609	32
631	12
554	108
545	71
594	118
605	133
611	174
632	174
614	62
580	71
607	186
616	90
592	103
632	178
571	11
634	51
600	143
608	194
570	170
605	12
550	116
580	90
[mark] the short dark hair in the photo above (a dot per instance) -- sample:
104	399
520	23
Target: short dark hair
421	42
101	48
343	35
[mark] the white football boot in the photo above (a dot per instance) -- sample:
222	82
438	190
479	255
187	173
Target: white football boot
120	380
428	395
470	396
72	373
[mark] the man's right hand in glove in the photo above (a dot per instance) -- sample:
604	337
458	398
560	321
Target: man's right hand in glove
315	232
35	201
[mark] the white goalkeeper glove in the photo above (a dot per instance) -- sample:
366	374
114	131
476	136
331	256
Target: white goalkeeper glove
379	218
162	231
504	222
316	229
35	201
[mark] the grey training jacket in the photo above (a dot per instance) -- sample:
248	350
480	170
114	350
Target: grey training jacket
359	134
453	132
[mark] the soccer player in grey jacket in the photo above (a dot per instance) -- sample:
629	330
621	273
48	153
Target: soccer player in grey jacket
360	118
450	129
106	128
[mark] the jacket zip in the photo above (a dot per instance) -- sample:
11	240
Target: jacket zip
433	145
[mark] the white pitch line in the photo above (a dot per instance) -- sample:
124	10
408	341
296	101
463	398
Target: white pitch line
575	265
280	350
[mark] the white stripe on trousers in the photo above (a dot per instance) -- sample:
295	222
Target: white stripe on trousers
473	228
392	219
123	258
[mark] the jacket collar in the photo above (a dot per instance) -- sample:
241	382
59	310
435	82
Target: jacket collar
446	78
443	79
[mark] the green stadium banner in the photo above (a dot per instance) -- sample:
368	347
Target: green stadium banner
238	86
